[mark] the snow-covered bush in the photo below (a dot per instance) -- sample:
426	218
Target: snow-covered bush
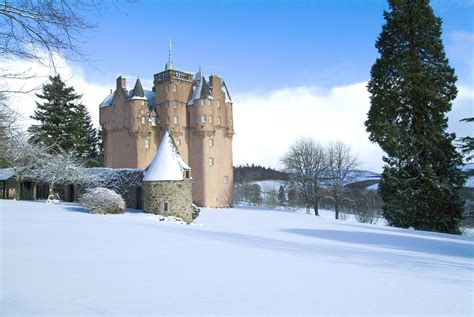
103	201
196	211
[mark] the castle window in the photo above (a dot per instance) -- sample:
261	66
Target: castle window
203	118
165	207
226	179
113	124
210	119
210	161
143	120
178	142
211	142
125	122
167	119
116	147
147	143
208	102
186	174
131	120
143	103
196	120
175	120
218	103
173	103
113	108
219	120
201	102
166	88
174	87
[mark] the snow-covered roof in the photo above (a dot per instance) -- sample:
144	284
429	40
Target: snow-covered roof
226	92
148	95
167	165
196	90
6	173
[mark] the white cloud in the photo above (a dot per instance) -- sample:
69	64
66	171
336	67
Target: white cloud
266	124
92	94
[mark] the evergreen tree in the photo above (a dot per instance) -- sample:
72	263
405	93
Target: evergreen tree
467	143
55	116
281	196
412	87
85	136
64	123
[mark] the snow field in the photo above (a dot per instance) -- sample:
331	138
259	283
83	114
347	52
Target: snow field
58	259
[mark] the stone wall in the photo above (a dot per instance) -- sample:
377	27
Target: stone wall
176	193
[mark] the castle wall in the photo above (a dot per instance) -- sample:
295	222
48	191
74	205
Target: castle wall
177	194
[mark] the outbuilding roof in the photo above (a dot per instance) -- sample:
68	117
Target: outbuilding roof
167	165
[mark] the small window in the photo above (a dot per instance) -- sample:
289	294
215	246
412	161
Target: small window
211	161
113	108
208	102
131	120
218	103
186	174
116	147
196	120
166	88
174	87
175	120
203	118
226	179
143	120
147	143
219	120
201	102
165	207
178	142
113	124
210	119
173	103
211	142
143	103
125	122
167	119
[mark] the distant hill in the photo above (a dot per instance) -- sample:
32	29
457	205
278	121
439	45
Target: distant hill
253	173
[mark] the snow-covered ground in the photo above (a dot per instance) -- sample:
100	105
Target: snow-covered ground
58	260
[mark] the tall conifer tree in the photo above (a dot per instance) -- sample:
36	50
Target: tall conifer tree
412	87
64	123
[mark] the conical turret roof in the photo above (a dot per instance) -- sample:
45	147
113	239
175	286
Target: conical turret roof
167	165
138	90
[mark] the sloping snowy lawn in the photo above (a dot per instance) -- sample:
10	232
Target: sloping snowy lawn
58	260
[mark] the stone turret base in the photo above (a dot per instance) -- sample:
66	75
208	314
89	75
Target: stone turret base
176	194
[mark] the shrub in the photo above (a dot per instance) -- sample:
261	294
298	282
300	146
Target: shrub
101	200
196	211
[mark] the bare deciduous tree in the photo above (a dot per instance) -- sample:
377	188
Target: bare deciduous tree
306	164
341	162
29	27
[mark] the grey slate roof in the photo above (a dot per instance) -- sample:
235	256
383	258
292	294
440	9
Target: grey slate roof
6	174
148	94
138	90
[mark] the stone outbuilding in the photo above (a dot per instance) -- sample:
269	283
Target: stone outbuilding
167	183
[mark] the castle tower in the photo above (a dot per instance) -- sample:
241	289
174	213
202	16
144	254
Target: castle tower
197	112
167	183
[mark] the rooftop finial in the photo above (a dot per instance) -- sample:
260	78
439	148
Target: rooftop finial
169	51
170	64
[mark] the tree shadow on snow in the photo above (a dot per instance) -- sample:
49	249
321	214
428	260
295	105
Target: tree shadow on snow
392	241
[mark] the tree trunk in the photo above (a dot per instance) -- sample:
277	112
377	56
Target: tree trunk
316	207
336	208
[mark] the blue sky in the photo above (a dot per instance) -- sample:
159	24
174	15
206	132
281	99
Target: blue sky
254	45
293	68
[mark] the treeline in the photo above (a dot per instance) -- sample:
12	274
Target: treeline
252	173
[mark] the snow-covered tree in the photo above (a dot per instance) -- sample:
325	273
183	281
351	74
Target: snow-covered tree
412	87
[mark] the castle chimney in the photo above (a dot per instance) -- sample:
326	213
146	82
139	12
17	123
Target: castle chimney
121	82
